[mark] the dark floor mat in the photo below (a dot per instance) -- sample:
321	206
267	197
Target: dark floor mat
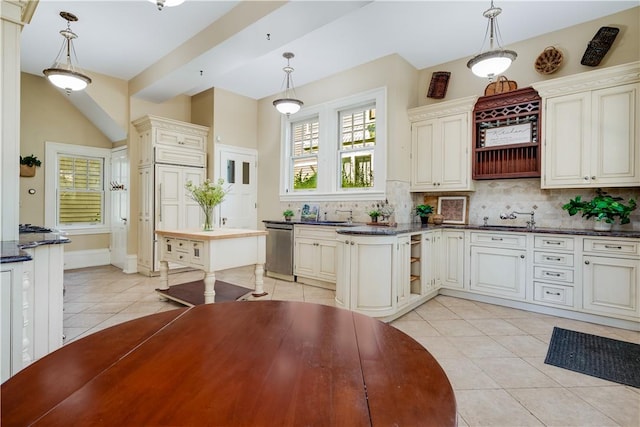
601	357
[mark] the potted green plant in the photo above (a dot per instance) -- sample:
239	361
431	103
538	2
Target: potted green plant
374	214
288	214
423	211
603	207
28	165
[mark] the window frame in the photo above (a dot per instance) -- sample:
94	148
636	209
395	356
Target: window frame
329	184
52	152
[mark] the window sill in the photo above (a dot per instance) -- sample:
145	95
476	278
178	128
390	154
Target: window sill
323	197
80	231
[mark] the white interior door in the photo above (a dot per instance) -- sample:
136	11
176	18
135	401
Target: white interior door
119	187
237	166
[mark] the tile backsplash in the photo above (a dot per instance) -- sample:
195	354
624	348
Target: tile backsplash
491	198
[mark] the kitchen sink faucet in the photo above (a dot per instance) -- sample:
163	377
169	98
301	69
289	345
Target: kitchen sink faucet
350	211
531	225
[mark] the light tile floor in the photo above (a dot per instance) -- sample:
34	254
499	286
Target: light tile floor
493	355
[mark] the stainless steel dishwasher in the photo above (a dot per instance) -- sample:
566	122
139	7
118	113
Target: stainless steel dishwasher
279	251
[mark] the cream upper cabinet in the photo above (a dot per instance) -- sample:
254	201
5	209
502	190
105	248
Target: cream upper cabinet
591	134
441	146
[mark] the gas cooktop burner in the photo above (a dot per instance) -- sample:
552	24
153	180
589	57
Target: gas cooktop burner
28	228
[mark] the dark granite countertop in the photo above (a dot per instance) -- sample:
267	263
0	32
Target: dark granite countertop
358	228
12	250
417	227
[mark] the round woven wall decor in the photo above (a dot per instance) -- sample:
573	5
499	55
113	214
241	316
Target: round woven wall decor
549	61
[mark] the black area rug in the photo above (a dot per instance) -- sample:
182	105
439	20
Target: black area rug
192	293
601	357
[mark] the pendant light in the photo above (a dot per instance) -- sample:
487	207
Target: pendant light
288	104
494	61
63	73
167	3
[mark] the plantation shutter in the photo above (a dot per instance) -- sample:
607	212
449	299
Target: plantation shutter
80	190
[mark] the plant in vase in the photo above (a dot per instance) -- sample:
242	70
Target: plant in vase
208	195
28	165
288	214
423	211
603	207
374	214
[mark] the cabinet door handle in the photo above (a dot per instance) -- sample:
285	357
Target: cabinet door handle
551	242
548	273
522	256
593	177
586	262
497	238
551	258
586	178
612	247
552	293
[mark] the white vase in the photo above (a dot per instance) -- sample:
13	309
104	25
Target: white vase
602	226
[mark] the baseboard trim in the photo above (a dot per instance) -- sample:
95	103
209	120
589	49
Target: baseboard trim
130	264
86	258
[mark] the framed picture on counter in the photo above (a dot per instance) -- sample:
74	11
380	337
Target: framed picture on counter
454	209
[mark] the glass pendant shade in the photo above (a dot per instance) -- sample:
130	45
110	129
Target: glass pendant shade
288	104
491	64
167	3
494	61
63	73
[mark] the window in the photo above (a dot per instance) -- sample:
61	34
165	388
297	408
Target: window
304	154
75	182
336	151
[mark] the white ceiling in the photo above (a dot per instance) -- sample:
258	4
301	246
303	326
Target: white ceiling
122	38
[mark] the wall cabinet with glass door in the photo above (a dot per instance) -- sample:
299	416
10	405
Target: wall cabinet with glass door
440	146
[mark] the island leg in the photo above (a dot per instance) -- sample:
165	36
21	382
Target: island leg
259	291
209	290
164	278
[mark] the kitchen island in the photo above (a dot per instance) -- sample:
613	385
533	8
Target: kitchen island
209	251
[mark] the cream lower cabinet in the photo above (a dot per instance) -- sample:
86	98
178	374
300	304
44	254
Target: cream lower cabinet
440	146
315	255
591	129
498	265
611	277
366	274
451	261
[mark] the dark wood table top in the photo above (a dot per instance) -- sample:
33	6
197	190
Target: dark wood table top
239	363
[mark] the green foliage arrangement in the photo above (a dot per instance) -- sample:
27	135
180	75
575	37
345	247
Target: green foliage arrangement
424	210
374	213
288	213
603	207
30	161
207	194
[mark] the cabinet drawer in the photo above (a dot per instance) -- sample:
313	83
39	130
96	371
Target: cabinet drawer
549	273
553	258
318	232
613	247
179	139
499	239
554	242
553	294
198	252
175	156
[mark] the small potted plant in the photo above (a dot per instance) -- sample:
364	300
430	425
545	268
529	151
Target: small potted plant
423	211
374	214
28	165
603	207
288	214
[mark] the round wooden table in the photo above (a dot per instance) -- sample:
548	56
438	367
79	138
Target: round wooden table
251	363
